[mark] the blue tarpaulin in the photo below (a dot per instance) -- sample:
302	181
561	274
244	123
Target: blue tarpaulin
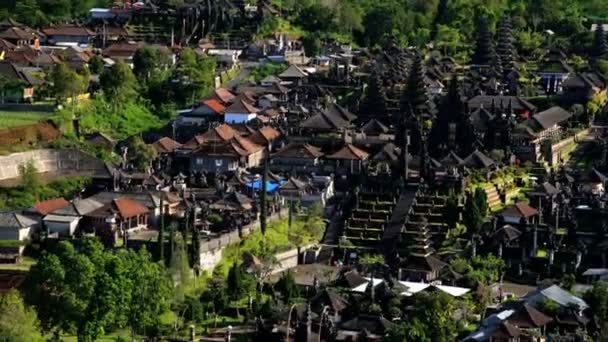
270	186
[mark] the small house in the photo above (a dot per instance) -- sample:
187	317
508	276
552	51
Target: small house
15	226
581	87
297	155
120	216
240	111
350	157
68	35
294	75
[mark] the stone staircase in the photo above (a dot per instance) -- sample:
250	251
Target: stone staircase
494	201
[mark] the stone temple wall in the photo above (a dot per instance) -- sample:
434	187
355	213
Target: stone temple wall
68	161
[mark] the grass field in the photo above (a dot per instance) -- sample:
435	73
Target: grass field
14	119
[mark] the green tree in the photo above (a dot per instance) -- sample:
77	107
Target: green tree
118	84
96	65
451	211
481	201
143	154
410	331
287	286
193	78
433	320
196	247
312	44
9	85
472	216
18	323
90	291
238	284
448	39
350	17
598	300
30	180
317	18
147	60
66	83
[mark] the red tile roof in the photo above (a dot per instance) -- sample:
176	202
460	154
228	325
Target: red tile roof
247	144
222	132
17	33
265	135
68	31
166	145
223	95
296	150
520	209
215	106
128	208
121	50
349	152
47	207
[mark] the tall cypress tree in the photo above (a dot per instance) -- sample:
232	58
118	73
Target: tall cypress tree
196	247
484	46
504	46
171	243
263	205
600	47
161	232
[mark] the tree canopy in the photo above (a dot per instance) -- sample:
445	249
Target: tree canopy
18	323
91	291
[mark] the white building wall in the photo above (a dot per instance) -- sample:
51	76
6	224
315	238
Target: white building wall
236	118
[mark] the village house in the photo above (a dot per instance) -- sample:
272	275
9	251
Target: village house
217	157
19	36
553	72
68	35
123	52
241	111
581	87
297	155
546	126
294	76
22	89
519	106
350	158
15	226
119	217
207	111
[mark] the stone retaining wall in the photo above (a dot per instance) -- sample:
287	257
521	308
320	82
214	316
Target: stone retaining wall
49	161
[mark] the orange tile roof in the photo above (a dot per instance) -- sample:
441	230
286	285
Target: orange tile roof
247	144
223	95
349	152
47	207
166	145
129	208
225	132
265	135
215	106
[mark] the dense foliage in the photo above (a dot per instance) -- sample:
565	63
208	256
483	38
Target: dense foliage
18	323
451	25
31	188
91	291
